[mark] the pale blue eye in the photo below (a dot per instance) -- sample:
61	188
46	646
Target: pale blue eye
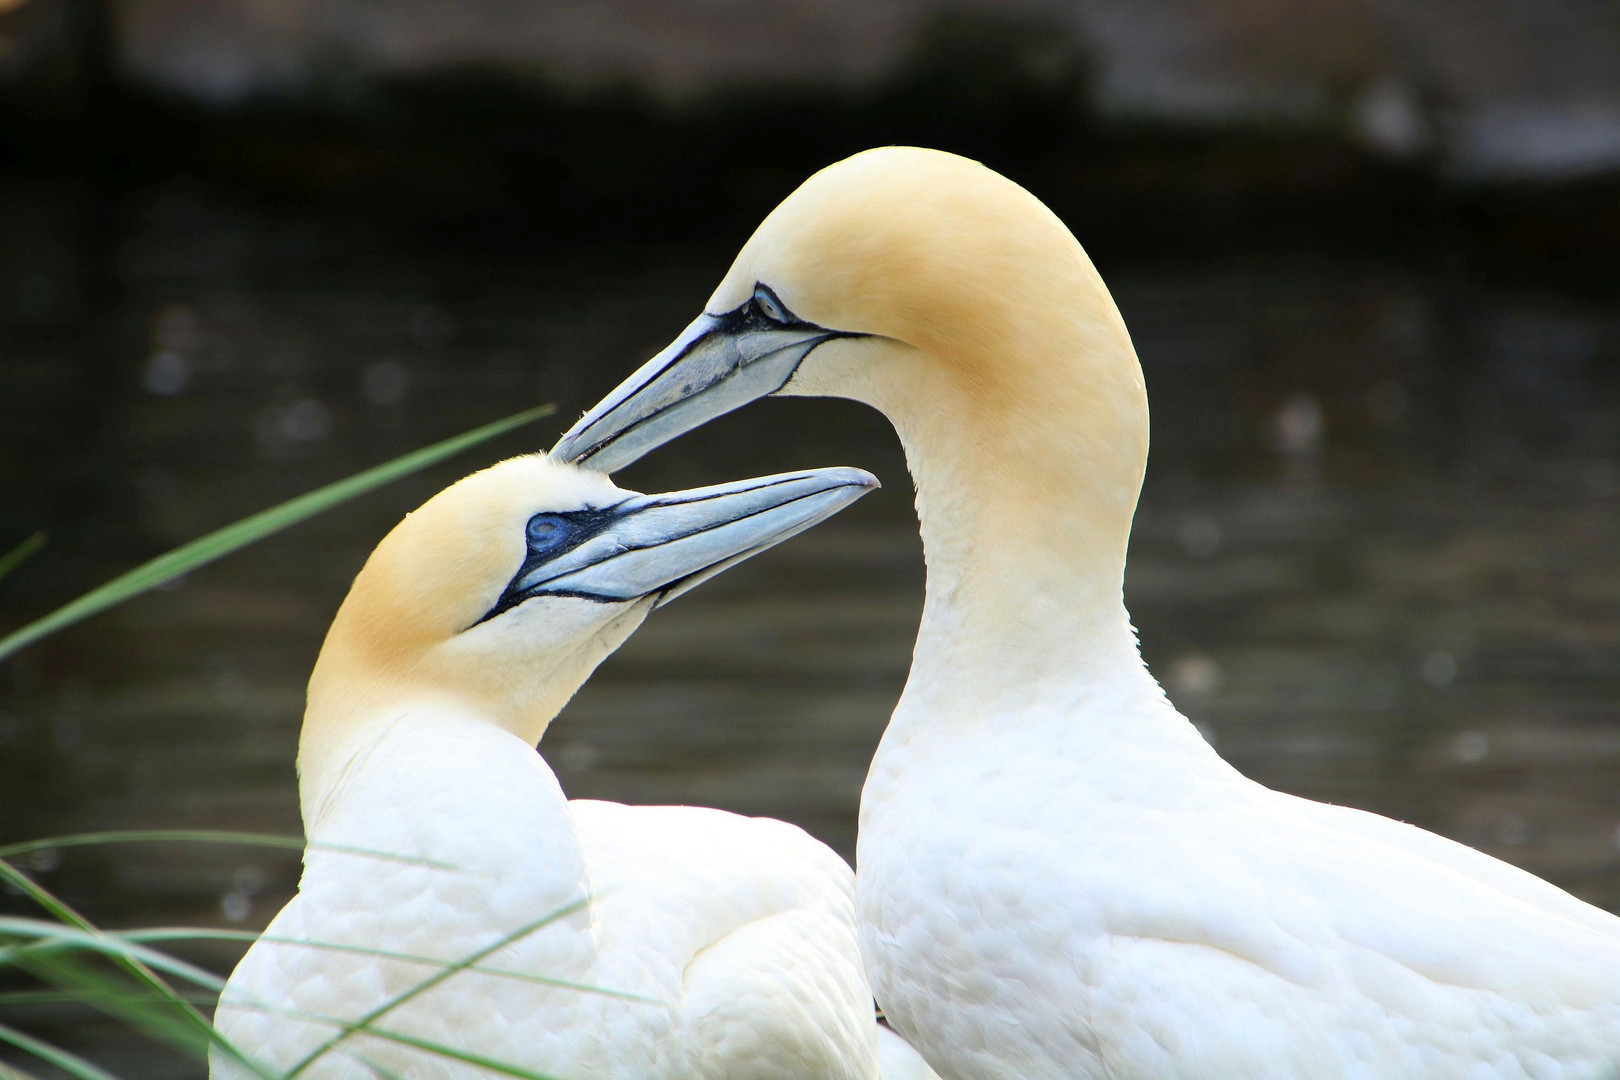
548	532
768	306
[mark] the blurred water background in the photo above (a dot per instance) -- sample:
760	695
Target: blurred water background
1366	249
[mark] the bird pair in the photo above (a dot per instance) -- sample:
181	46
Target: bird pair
1057	876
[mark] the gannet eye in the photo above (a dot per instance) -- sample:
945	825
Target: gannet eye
548	532
768	305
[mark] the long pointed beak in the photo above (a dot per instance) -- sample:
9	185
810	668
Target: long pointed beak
719	363
664	545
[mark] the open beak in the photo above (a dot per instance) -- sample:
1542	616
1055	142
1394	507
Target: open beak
662	545
720	363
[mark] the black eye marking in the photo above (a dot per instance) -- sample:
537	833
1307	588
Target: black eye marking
548	535
551	533
548	532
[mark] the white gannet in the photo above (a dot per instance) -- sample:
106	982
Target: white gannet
467	630
1056	876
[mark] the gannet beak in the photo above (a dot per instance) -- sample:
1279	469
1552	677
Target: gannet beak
719	363
662	545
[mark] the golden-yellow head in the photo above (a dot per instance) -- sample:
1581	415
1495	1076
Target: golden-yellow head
916	246
918	281
499	595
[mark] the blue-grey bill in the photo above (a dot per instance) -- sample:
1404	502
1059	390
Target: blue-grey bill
704	373
664	545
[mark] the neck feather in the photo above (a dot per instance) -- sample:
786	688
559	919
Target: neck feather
1027	470
358	694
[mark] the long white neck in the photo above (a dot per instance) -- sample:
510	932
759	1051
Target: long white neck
350	716
450	832
396	766
434	781
1024	592
1024	619
365	680
1028	460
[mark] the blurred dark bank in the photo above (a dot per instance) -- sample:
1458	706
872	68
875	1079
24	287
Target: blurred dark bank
1367	250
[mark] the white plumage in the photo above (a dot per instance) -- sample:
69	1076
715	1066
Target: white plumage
740	930
726	945
1124	904
1057	877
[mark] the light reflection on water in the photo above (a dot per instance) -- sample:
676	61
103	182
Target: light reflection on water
1376	559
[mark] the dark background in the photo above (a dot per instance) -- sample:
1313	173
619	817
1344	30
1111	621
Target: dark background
1367	250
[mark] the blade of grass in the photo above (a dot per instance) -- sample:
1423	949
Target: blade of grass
364	1023
48	936
147	1013
190	933
208	836
222	542
154	1017
21	553
62	997
71	1064
135	965
44	937
54	997
378	1071
464	1056
65	997
148	1007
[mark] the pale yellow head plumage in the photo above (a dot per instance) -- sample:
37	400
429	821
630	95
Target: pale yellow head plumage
441	568
998	352
935	289
497	598
951	299
923	247
938	252
409	631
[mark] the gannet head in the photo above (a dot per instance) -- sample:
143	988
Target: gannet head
914	280
501	594
952	300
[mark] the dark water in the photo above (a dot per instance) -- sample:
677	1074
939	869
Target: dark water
1376	560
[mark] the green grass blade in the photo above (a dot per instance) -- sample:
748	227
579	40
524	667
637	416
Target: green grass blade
222	542
46	936
43	938
21	553
67	997
209	836
439	1050
75	928
412	1041
154	1017
71	1064
62	997
192	933
378	1071
135	965
365	1022
141	836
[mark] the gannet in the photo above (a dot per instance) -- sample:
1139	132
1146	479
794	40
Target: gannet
683	941
1056	875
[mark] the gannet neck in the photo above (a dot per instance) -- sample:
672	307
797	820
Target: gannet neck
999	356
369	677
1024	522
